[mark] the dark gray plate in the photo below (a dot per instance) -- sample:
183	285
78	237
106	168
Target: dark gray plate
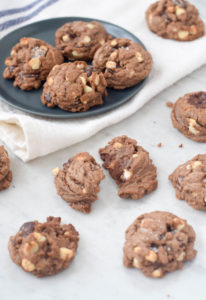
29	101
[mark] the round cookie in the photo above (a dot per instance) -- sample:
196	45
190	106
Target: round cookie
30	62
175	19
189	116
44	249
189	181
123	62
80	40
74	87
78	182
4	163
130	166
158	243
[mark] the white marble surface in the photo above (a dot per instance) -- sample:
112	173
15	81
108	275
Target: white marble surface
97	271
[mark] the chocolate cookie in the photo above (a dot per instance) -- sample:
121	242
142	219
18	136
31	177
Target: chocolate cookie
44	249
189	116
158	243
123	62
30	62
5	173
175	19
78	182
74	87
189	181
130	166
80	40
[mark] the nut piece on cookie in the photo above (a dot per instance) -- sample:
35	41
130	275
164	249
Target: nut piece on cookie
155	246
80	40
130	166
175	19
74	87
30	62
189	116
189	180
44	249
5	172
78	182
123	62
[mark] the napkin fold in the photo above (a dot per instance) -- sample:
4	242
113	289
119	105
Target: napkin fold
29	136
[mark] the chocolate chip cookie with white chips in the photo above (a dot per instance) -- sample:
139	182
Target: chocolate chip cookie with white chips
175	19
5	172
80	40
44	249
30	62
189	181
123	62
189	116
130	166
74	87
78	182
158	243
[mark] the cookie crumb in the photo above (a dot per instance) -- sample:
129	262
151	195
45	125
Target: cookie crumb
159	145
169	104
181	146
168	295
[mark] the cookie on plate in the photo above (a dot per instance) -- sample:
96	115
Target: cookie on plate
5	172
158	243
189	116
74	87
130	166
30	62
189	181
44	249
123	62
175	19
78	182
79	40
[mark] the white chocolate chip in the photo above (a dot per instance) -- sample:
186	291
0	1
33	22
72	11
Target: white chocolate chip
86	39
137	249
127	174
30	248
54	67
102	42
136	263
39	237
151	256
87	89
196	164
179	224
55	171
179	11
135	155
83	80
181	256
117	145
65	38
192	129
188	167
34	63
150	19
96	79
91	26
8	62
13	52
24	41
50	81
139	57
113	42
183	34
157	273
77	54
170	9
193	30
205	199
27	265
113	55
84	191
65	253
111	65
80	66
43	48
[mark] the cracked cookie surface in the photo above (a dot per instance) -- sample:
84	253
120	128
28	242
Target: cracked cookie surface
130	166
30	62
175	19
44	249
123	62
79	40
158	243
74	87
189	181
189	116
78	182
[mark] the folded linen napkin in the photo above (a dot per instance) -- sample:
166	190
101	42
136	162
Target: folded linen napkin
29	136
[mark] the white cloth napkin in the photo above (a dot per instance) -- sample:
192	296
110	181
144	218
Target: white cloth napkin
29	136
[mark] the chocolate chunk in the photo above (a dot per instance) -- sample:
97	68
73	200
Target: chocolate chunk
27	228
198	99
181	3
47	97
